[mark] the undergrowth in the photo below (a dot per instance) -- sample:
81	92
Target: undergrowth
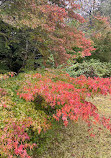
35	105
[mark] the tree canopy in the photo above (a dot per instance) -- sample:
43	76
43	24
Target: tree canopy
46	26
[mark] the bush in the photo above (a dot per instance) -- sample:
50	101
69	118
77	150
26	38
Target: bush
90	68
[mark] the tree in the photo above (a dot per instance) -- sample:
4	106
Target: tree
9	47
13	47
47	22
105	8
88	10
101	36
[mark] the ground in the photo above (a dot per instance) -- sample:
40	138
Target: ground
74	141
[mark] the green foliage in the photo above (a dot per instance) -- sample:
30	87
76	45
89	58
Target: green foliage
3	67
103	46
11	47
18	47
100	33
50	61
90	68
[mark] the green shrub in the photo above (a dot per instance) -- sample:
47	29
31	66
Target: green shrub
90	68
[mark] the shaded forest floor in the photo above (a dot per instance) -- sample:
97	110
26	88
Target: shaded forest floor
74	141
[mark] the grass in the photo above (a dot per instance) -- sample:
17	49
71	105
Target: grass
75	142
103	103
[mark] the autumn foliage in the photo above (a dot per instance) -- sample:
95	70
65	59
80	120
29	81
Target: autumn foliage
62	95
13	138
50	29
68	95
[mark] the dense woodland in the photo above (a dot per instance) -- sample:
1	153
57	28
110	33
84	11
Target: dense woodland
53	55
